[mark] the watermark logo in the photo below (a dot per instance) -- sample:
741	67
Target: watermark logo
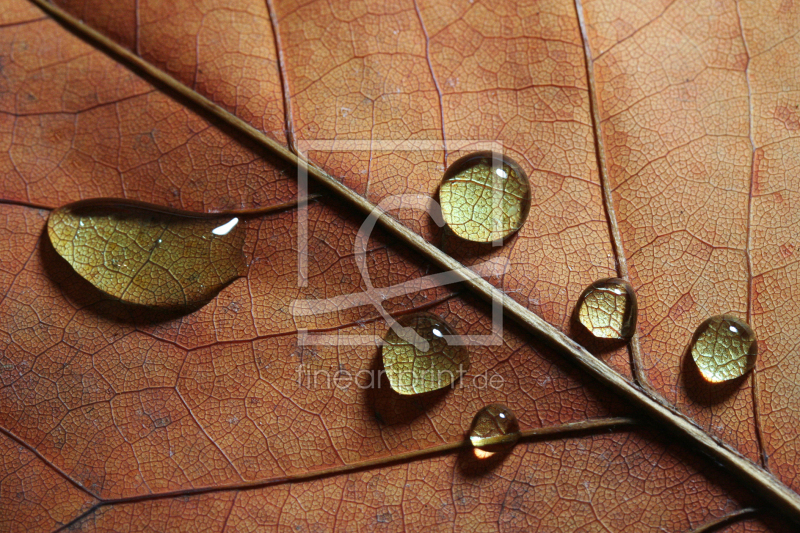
342	379
377	296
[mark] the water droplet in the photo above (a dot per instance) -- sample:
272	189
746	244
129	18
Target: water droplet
484	197
724	348
608	309
146	254
417	369
494	429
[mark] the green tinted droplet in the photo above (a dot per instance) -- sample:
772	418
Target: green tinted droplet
427	366
494	429
608	309
149	255
484	197
724	348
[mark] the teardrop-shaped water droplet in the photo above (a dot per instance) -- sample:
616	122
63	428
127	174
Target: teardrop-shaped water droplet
494	429
484	197
608	309
724	348
146	254
425	366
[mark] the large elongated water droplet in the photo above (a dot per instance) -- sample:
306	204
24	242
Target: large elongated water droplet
149	255
484	197
413	368
494	429
608	309
724	348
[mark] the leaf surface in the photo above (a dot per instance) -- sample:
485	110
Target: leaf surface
127	405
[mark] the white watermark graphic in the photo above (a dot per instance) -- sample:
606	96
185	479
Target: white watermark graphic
375	379
376	296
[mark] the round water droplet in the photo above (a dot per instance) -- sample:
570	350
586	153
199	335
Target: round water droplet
494	429
484	197
608	309
415	369
724	348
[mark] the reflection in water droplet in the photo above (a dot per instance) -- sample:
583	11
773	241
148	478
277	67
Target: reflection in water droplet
724	348
608	309
225	228
494	429
146	254
412	370
484	197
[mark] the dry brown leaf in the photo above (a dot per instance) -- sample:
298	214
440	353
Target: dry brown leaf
694	102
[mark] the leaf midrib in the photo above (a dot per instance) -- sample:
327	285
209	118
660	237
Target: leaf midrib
662	413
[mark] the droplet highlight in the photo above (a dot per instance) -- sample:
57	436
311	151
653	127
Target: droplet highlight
608	309
724	348
426	357
495	428
149	255
225	228
484	197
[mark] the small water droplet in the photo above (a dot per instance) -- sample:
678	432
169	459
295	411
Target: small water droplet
724	348
608	309
484	197
418	369
494	429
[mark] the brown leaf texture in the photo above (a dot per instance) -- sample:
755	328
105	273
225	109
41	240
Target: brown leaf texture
115	417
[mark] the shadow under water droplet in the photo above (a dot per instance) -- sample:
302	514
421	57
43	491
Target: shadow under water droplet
84	295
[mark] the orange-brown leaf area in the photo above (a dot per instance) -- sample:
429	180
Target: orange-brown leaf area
363	73
100	401
696	101
129	407
525	492
673	103
33	496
